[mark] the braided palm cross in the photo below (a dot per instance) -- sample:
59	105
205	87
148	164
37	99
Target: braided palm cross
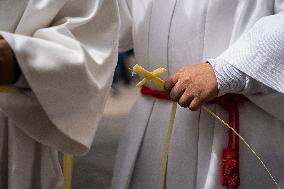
153	76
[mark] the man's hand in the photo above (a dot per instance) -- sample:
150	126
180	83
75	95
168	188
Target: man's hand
193	85
9	68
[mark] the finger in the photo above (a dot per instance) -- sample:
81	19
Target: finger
185	99
177	91
170	83
195	104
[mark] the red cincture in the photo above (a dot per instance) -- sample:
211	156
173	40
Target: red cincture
230	165
154	93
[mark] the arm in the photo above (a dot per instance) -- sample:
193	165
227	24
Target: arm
67	53
263	64
259	52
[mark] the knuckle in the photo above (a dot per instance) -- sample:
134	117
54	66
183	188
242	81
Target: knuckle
187	93
188	79
167	87
183	82
168	83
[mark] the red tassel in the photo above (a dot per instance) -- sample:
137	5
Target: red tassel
230	168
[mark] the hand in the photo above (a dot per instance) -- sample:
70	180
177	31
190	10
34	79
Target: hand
9	68
193	85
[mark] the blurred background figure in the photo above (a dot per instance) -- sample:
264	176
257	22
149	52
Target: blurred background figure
122	73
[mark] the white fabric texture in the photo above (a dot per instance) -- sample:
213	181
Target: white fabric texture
232	80
67	53
176	33
125	33
260	52
68	68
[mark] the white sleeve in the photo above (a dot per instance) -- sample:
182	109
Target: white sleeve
125	34
67	53
232	80
259	53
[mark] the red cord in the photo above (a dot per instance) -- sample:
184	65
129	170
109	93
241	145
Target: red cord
230	165
154	93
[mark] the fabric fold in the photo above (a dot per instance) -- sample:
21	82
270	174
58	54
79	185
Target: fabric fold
69	70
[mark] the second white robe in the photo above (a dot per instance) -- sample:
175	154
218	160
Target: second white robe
67	53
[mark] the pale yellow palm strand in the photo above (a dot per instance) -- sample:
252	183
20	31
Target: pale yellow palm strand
244	141
140	70
166	147
6	89
67	170
153	76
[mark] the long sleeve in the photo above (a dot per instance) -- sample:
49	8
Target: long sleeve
259	53
67	53
232	80
125	33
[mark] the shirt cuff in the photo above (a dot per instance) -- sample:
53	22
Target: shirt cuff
232	80
229	78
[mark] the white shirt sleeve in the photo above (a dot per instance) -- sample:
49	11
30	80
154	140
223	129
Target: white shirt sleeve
232	80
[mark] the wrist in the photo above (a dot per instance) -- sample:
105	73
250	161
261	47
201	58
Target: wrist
229	78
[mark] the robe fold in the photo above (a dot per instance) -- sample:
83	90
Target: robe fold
67	52
247	34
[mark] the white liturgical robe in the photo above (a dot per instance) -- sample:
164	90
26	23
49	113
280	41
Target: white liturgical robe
67	51
249	35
